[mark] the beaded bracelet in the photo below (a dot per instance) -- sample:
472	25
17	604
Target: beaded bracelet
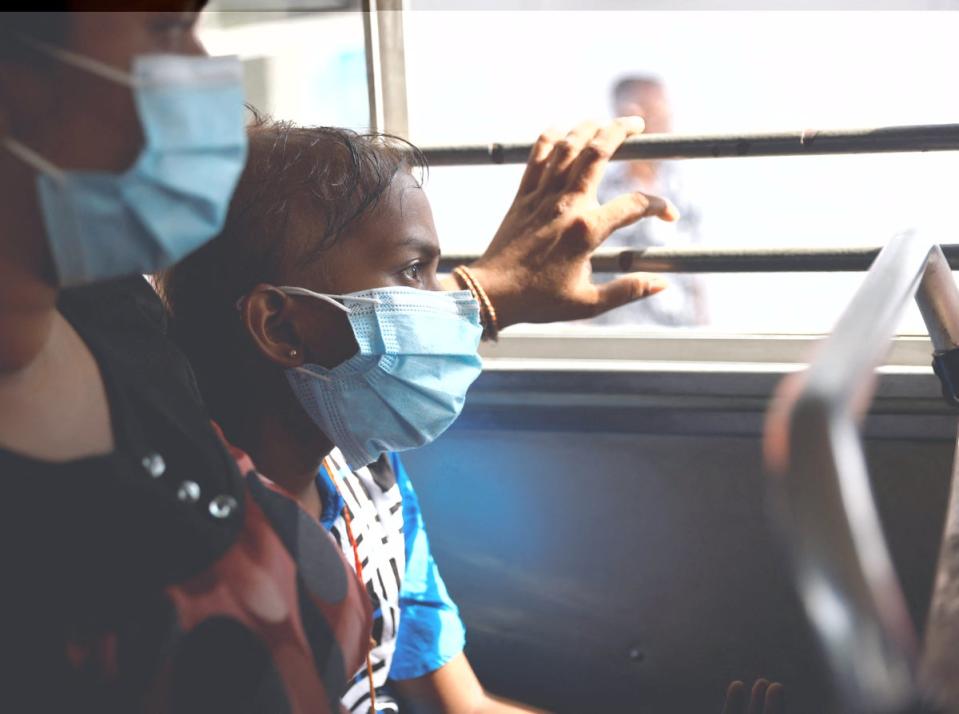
487	311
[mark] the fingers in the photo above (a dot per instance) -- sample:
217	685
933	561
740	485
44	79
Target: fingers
577	161
565	152
587	170
629	208
735	698
775	699
627	288
757	699
538	158
765	698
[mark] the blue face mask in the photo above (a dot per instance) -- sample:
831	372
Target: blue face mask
408	381
175	196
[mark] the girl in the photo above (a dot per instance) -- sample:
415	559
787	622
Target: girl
322	339
143	571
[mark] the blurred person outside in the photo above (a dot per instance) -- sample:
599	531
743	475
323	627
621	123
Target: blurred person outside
684	304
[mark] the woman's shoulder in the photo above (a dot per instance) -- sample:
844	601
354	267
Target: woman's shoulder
125	322
171	545
151	511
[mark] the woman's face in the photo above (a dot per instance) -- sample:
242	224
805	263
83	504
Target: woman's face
74	119
79	120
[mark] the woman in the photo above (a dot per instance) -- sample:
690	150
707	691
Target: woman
141	566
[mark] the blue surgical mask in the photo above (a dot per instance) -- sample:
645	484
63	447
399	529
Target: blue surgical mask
175	196
408	381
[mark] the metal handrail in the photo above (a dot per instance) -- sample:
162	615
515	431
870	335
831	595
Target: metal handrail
808	142
727	260
821	490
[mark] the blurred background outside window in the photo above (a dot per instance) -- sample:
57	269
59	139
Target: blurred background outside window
478	76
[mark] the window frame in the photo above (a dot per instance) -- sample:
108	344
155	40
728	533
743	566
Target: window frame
566	346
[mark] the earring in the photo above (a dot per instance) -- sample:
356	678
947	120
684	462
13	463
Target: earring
294	354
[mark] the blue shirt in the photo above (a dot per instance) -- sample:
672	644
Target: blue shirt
431	632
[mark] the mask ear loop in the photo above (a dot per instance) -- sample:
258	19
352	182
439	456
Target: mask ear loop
333	300
330	299
310	373
33	159
101	69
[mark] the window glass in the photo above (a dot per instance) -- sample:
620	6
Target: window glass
482	76
307	67
477	76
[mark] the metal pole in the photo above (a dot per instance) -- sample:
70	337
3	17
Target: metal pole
730	260
371	51
386	66
932	137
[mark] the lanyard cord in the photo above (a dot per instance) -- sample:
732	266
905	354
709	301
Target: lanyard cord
348	519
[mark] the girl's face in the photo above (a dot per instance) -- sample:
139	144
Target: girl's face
394	245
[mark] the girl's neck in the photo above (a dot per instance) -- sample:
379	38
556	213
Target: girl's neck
288	449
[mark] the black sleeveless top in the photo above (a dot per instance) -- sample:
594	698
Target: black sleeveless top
160	577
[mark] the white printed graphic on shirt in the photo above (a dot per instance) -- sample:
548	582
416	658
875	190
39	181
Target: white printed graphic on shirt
378	529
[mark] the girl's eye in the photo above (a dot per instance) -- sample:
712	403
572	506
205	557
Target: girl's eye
412	273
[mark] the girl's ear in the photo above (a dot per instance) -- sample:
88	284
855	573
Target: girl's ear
272	318
290	331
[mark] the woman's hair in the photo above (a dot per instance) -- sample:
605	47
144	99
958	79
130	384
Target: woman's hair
50	26
50	23
334	176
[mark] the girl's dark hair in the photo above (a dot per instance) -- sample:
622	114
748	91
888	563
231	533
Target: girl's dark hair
337	176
